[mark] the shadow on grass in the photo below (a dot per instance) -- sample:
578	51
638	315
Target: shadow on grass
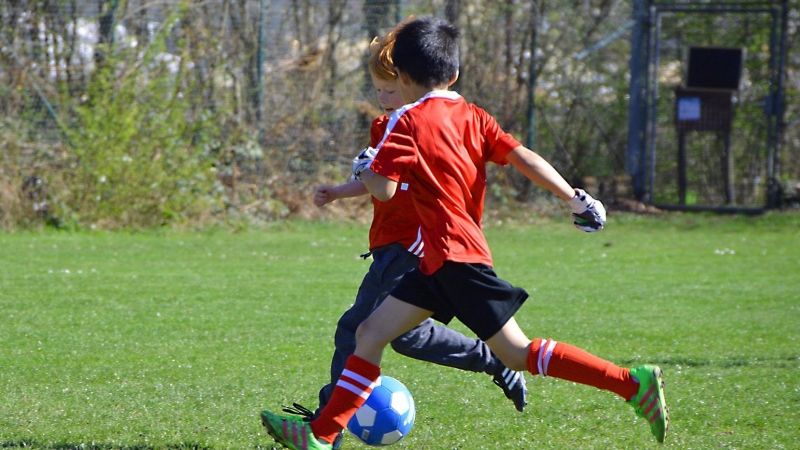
32	444
775	362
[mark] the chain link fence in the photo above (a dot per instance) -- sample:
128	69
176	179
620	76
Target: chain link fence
142	113
715	102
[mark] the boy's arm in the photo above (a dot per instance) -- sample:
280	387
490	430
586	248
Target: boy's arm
379	186
538	170
326	194
589	215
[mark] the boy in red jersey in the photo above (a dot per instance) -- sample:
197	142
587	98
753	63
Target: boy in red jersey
396	248
441	144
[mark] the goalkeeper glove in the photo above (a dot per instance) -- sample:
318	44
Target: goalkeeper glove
362	161
590	214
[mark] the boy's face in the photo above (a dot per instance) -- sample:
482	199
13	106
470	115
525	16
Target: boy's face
388	95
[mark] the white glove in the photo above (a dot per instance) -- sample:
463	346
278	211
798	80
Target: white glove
590	214
362	161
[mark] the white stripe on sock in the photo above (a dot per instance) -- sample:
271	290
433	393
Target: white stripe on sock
542	345
368	384
352	388
548	353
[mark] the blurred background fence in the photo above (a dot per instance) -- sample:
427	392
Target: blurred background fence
138	113
716	95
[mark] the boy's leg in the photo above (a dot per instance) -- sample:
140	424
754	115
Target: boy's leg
391	319
642	388
427	342
486	304
345	339
548	357
388	266
447	347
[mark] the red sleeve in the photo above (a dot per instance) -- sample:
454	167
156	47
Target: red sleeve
498	141
397	154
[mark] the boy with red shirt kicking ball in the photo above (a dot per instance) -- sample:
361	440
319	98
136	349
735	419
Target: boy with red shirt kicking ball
441	145
396	247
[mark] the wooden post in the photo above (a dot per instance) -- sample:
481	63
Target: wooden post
730	194
682	167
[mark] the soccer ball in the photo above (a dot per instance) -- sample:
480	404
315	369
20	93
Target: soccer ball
386	416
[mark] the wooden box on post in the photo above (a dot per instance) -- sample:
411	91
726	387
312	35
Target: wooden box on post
703	109
706	104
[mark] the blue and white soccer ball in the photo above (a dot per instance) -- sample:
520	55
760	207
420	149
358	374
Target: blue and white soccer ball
387	415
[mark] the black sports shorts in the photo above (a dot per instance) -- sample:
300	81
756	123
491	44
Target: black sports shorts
470	292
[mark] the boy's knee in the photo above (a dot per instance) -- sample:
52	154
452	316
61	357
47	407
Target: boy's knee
366	331
370	335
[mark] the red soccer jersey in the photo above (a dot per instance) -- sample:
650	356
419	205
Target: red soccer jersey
440	145
394	221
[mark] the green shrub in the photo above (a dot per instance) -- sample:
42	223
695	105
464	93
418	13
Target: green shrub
138	157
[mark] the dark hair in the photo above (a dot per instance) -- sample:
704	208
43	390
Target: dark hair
427	50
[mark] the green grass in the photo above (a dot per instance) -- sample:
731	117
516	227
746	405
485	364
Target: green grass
164	340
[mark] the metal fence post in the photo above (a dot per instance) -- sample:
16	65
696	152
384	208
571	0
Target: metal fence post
636	104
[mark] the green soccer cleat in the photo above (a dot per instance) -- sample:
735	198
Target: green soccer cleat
292	432
649	402
308	416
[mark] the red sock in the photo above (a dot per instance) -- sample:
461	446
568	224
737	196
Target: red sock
351	391
556	359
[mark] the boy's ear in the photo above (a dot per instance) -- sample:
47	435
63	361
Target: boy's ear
402	76
453	80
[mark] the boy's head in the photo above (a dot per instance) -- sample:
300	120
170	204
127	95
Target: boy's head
426	50
381	69
380	62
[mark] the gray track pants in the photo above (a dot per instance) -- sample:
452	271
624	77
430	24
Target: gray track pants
427	342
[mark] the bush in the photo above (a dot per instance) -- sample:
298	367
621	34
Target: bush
137	155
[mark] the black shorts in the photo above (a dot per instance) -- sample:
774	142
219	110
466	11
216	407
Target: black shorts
470	292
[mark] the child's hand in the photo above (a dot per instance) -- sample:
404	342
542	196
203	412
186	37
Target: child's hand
590	214
323	195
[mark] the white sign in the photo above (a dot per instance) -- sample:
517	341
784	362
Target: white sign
689	108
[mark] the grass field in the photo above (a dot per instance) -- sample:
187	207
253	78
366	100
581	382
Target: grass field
166	340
